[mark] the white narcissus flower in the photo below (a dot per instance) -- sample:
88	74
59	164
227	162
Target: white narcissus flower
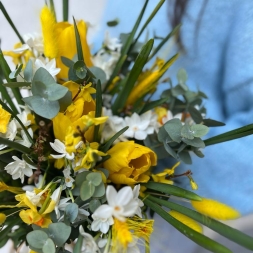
136	192
25	141
121	204
19	169
10	133
139	126
89	245
49	66
102	219
112	43
68	179
59	147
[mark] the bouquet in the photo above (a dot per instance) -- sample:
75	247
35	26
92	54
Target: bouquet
80	138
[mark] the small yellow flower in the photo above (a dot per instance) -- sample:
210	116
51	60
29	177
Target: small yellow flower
4	120
194	185
130	163
2	218
215	209
4	187
186	221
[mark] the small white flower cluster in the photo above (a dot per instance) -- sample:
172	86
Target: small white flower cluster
34	43
107	57
122	204
140	126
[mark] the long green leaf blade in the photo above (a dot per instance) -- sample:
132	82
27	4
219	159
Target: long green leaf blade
98	112
231	135
133	76
11	23
198	238
173	190
126	47
78	43
65	4
221	228
15	145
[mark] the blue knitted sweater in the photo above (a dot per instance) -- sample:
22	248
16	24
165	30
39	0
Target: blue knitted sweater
219	62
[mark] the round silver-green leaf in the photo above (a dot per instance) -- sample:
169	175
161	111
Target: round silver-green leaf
37	239
48	246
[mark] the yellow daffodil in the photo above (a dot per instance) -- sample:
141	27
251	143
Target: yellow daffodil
149	81
215	209
186	220
129	163
4	187
30	216
4	120
2	218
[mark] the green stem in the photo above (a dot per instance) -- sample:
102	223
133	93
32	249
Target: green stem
8	99
52	8
65	4
11	23
15	145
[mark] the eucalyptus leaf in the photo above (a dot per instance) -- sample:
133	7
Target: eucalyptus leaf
43	76
43	107
67	62
56	91
162	134
213	123
173	128
65	101
49	246
80	69
195	142
59	233
95	178
99	74
94	204
170	150
185	157
86	191
71	212
199	130
37	238
28	71
182	76
99	191
195	114
81	177
186	132
39	89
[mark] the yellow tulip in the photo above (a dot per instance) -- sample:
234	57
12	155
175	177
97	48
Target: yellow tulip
4	120
130	163
2	218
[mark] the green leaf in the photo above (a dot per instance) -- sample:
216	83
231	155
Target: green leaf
49	246
185	157
78	43
59	233
172	190
195	142
87	190
221	228
186	132
81	177
113	22
65	101
182	76
173	128
98	110
67	62
98	73
37	238
105	147
43	107
231	135
212	123
28	71
16	72
99	191
56	91
132	77
126	46
195	114
199	130
198	238
177	90
78	245
71	212
17	84
65	9
162	134
15	146
11	23
80	70
153	104
170	150
39	89
94	204
42	75
95	178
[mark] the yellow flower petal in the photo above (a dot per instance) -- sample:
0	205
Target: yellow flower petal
2	218
186	220
4	120
215	209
